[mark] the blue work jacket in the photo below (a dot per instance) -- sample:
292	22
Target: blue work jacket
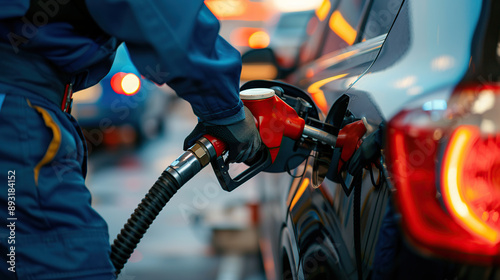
169	41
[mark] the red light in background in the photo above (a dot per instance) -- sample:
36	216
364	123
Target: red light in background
116	82
125	83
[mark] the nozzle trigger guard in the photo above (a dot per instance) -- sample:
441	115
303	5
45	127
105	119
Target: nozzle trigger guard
221	169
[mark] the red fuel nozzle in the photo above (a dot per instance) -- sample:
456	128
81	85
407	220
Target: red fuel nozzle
349	140
274	118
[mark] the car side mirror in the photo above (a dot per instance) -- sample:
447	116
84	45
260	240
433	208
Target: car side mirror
260	64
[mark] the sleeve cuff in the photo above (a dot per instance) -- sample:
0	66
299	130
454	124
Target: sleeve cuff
239	116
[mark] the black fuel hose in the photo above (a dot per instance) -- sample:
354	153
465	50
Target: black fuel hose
179	172
138	223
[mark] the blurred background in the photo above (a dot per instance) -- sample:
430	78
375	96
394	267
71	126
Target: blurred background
134	129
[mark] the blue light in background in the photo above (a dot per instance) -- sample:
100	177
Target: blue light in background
438	104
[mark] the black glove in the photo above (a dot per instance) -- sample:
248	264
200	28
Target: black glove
242	138
368	152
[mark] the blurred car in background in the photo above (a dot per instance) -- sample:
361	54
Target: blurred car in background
123	107
239	19
287	32
250	24
428	71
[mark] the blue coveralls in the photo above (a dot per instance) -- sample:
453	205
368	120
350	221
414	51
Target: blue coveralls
53	233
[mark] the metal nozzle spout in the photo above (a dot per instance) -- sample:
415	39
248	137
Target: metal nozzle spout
319	135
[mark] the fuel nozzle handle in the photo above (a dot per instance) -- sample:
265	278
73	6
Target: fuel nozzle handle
275	119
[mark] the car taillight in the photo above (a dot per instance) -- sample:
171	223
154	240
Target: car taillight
125	83
444	160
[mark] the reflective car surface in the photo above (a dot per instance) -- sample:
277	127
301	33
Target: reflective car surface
426	73
122	107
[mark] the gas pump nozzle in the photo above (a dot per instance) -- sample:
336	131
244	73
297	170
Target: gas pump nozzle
274	119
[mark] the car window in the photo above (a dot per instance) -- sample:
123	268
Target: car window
380	18
343	25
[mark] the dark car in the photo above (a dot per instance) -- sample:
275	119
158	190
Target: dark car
426	74
123	107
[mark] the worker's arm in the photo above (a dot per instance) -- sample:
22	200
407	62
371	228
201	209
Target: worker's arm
16	8
177	42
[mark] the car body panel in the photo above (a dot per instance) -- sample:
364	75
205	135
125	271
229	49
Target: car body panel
330	76
308	216
310	206
423	51
445	67
335	73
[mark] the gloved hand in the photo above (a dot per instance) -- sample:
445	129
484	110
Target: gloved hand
242	138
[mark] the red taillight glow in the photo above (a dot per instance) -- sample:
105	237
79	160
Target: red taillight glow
446	174
125	83
470	182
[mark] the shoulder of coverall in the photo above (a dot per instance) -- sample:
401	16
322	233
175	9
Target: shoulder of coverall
74	12
13	9
66	35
